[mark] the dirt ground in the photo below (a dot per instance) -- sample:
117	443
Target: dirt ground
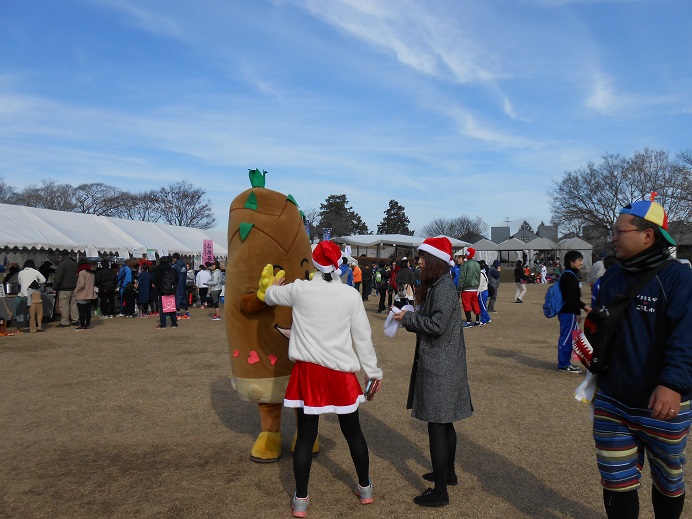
130	421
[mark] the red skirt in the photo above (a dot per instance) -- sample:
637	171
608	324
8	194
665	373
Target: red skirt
320	390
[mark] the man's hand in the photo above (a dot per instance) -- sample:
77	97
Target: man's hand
664	403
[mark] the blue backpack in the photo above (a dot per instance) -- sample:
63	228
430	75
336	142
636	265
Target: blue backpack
553	299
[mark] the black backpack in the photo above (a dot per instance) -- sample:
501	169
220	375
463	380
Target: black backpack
168	282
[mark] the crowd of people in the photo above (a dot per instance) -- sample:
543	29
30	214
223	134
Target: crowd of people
127	289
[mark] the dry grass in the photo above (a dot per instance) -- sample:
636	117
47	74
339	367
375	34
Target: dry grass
130	421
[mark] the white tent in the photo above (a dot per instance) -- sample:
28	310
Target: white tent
33	229
576	244
514	249
485	250
541	245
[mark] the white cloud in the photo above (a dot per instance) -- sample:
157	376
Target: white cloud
432	45
146	19
604	98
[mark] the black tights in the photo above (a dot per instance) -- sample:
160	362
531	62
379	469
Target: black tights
625	505
443	449
307	434
84	310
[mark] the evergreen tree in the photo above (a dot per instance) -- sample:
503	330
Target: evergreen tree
335	214
526	225
395	220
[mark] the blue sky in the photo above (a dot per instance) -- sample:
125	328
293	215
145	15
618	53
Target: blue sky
450	107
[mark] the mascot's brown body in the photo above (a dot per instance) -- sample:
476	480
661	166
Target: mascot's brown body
264	227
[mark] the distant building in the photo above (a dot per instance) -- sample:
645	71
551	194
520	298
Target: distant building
547	231
474	237
499	234
681	232
525	235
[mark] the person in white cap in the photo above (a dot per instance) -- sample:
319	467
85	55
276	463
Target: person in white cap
439	392
330	341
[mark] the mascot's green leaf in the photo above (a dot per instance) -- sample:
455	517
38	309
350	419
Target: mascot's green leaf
245	230
251	202
257	177
292	200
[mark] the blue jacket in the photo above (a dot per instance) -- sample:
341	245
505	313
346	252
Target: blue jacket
343	270
455	274
124	276
654	342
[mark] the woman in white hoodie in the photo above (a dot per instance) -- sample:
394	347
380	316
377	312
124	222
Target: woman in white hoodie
330	342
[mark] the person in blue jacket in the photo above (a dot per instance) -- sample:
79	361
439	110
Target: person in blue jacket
124	277
570	313
642	402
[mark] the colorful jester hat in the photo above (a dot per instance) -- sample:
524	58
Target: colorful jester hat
651	212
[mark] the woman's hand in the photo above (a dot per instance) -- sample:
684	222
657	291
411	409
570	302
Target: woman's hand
372	386
399	316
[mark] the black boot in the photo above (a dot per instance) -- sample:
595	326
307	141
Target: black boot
432	497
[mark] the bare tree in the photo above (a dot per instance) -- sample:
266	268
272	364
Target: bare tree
595	194
461	228
97	198
49	195
311	216
183	204
7	192
139	206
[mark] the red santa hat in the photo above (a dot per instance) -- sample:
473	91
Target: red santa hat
439	247
326	256
469	252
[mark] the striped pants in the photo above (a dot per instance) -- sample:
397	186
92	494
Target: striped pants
623	434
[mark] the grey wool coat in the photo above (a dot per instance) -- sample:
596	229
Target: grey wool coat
439	390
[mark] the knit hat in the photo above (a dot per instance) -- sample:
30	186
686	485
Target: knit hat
496	263
651	212
470	252
439	247
326	256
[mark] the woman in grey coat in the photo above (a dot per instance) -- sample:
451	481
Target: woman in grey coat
439	392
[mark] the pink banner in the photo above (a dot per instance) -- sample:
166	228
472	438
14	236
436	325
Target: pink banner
208	251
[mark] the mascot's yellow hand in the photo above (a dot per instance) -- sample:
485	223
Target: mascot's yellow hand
266	280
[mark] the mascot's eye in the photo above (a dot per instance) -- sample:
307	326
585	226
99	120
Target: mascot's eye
303	261
277	268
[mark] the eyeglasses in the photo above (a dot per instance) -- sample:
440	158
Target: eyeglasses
617	232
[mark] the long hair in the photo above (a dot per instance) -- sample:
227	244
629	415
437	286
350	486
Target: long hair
435	268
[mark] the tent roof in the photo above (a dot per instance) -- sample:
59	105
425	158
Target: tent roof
485	244
23	227
512	244
34	228
574	243
541	244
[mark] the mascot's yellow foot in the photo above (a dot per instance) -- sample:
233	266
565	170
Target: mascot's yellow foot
315	448
267	447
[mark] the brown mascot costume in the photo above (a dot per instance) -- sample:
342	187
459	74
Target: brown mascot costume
266	234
